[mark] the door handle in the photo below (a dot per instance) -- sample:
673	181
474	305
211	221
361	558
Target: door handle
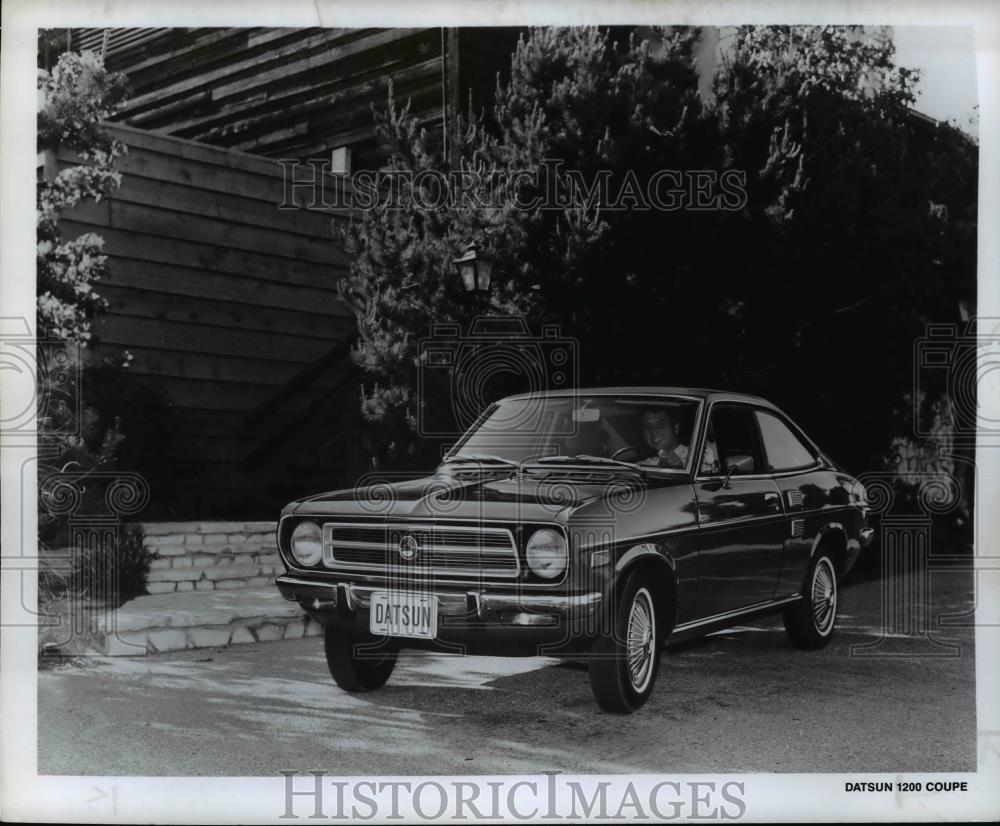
773	499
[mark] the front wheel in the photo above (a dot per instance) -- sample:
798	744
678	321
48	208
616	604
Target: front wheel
356	664
624	662
810	621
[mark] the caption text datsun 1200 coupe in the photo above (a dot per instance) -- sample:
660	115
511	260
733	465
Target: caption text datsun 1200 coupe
596	524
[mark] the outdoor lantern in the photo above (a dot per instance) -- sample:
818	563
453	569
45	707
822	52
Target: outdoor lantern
475	272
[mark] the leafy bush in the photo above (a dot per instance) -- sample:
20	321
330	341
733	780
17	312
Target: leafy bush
80	436
107	574
79	94
115	571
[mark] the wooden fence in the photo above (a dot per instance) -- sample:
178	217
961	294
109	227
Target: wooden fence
230	307
298	93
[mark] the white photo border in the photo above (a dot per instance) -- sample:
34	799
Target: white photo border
769	797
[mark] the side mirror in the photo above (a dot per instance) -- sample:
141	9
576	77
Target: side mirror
739	464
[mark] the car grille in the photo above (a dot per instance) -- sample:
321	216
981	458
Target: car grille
440	550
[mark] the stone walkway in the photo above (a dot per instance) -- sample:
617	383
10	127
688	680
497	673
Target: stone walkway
172	622
210	584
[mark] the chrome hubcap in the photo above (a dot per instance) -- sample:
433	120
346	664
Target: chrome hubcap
640	638
824	597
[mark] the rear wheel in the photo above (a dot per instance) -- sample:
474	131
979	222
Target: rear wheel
810	621
357	664
624	662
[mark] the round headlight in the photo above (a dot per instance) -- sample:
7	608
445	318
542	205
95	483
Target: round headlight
307	544
547	553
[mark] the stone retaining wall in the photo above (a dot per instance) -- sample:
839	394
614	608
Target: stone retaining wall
208	556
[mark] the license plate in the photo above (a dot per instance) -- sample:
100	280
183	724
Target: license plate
403	615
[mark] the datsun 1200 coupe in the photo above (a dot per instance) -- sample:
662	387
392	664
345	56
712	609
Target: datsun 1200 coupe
588	524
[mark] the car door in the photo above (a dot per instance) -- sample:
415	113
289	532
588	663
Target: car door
740	516
803	484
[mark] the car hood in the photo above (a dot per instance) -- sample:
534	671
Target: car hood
501	496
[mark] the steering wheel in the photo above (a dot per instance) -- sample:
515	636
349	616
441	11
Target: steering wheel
625	449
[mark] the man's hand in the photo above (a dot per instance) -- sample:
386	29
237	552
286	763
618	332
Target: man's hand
667	458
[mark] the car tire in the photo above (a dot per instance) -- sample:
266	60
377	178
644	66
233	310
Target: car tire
625	658
354	664
811	620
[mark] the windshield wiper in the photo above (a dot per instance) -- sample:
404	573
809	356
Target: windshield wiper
553	458
583	457
480	457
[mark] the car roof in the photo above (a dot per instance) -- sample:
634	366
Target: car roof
708	395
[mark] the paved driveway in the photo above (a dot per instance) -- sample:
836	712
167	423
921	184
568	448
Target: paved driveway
741	701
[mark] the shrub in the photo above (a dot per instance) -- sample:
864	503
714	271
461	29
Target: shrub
107	574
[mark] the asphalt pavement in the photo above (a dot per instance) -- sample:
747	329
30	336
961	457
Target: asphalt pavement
743	700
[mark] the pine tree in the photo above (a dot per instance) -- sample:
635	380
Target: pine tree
575	97
833	259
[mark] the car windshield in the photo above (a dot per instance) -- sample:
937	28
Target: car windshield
642	430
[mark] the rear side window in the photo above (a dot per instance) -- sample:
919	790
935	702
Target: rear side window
783	449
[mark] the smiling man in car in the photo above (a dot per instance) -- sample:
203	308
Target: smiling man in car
660	433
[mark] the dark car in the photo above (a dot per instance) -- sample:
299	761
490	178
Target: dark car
595	524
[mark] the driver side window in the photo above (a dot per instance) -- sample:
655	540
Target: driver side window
733	433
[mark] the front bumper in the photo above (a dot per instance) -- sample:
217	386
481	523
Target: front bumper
480	619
